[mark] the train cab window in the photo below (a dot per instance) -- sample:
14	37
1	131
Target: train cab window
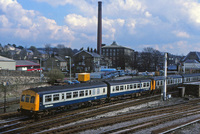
121	87
117	88
104	90
27	98
86	92
75	94
32	99
55	97
68	95
81	93
23	98
48	98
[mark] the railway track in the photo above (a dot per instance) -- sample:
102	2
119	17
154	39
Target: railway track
72	116
166	114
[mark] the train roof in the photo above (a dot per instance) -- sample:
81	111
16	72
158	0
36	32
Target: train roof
168	77
127	81
66	88
190	75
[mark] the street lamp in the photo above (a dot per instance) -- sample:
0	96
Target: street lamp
40	68
69	65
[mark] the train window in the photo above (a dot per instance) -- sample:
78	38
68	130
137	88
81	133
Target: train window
157	83
68	95
121	87
23	98
90	92
48	98
27	98
161	83
63	96
171	81
104	90
93	92
148	84
138	85
144	84
113	89
135	85
75	94
131	86
98	91
128	86
55	97
86	92
32	99
117	88
81	93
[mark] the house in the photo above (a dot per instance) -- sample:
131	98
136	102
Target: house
55	62
26	65
191	63
86	61
7	64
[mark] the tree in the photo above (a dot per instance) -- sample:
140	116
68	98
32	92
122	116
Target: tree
54	75
14	45
35	51
88	49
48	49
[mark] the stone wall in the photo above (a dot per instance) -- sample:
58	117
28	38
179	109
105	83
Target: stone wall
17	81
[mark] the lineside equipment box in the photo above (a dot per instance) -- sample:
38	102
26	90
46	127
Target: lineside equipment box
83	77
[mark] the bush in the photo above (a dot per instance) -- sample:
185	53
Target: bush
54	75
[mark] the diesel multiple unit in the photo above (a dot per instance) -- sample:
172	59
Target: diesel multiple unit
43	100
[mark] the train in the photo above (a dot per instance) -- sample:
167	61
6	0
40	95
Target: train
41	101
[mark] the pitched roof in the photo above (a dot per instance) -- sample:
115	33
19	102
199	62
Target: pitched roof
191	61
93	54
22	63
6	59
192	56
115	45
60	58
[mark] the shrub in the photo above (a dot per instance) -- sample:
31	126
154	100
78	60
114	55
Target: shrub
54	75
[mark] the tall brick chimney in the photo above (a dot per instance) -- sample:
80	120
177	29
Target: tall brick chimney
99	28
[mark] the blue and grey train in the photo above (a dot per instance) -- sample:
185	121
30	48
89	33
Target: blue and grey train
47	99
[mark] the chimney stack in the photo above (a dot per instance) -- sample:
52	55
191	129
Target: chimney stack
99	30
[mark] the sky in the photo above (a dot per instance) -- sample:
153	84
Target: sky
166	25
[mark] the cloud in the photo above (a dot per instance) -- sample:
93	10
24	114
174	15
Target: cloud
181	34
29	25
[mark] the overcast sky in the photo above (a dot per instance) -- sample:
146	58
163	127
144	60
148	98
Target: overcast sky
166	25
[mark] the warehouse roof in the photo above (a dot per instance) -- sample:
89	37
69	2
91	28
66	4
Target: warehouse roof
22	63
6	59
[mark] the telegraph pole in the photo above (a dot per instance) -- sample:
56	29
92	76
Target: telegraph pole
165	79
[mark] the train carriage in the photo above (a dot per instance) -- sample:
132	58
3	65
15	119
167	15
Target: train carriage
47	98
124	87
191	77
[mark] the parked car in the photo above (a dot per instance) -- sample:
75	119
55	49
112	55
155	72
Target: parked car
76	81
68	82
